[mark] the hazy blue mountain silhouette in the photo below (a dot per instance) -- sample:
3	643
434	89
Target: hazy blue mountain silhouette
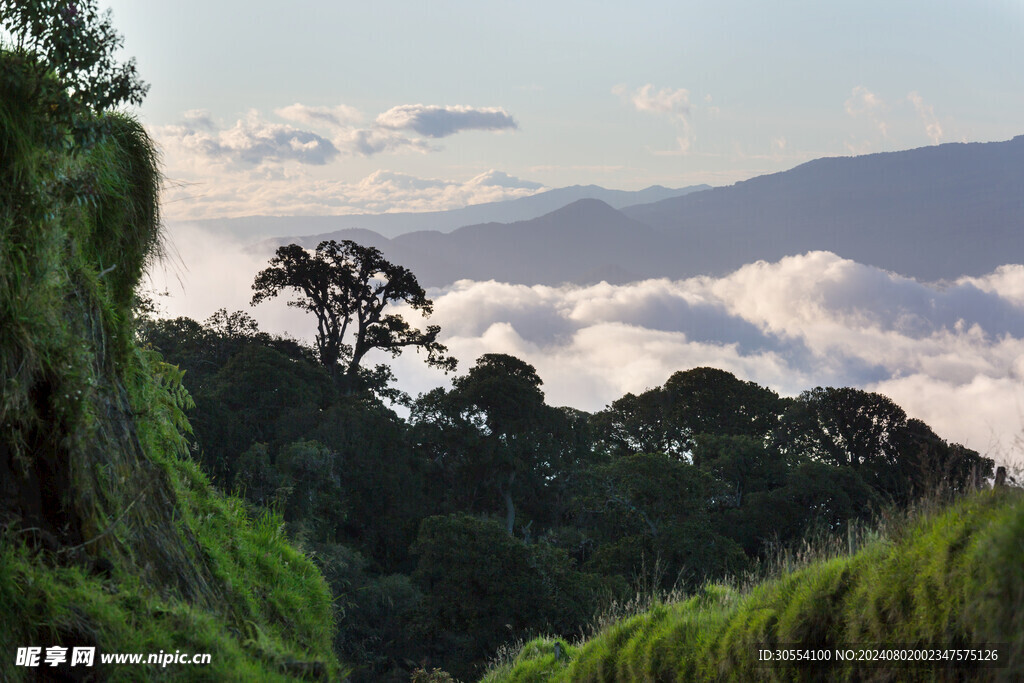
394	224
931	213
584	242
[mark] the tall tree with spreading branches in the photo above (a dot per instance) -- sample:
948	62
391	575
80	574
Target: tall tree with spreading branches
349	288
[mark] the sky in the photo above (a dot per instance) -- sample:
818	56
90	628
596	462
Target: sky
314	108
323	108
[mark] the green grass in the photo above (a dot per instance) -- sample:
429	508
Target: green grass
951	577
276	610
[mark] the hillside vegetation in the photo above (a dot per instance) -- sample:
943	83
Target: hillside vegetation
951	578
138	516
111	536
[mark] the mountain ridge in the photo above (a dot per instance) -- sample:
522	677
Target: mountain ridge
930	213
398	223
916	212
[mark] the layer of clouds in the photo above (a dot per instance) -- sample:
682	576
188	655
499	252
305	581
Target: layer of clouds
249	143
950	354
327	132
440	122
382	191
257	165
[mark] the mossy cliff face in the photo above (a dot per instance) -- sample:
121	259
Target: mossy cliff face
110	534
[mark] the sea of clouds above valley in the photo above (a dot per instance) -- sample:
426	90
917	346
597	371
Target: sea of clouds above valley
952	353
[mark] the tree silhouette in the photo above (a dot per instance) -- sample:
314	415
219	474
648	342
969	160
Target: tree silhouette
349	287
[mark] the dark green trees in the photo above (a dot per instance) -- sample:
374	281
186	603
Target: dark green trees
899	457
497	443
482	588
349	287
490	515
696	402
651	509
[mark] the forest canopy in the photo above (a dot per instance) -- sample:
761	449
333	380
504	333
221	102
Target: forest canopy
554	511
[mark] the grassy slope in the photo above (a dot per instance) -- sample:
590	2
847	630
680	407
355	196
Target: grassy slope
953	577
275	622
110	536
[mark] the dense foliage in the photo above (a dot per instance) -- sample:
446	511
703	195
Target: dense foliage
487	515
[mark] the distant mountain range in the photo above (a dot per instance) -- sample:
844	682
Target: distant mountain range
931	213
394	224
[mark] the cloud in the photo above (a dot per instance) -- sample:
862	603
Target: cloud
887	120
342	120
669	101
439	122
339	116
926	113
951	354
673	103
328	131
198	118
250	142
862	101
494	178
865	104
368	141
985	413
203	272
260	166
1005	281
381	191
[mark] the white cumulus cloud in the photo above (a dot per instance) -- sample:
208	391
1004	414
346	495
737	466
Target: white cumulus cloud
262	166
951	354
250	142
